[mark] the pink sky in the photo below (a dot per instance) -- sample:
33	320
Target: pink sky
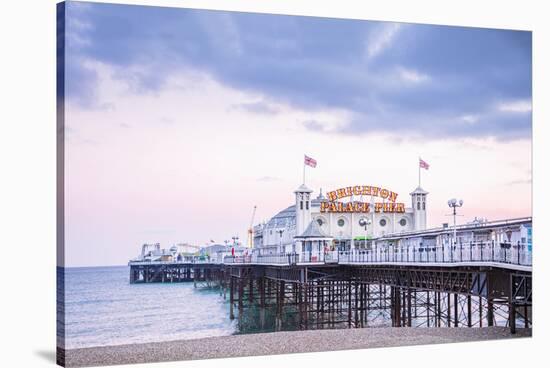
185	164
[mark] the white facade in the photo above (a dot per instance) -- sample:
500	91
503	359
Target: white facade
280	232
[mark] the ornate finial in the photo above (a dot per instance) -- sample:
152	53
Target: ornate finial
320	193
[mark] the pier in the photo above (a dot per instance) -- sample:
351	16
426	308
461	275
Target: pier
471	285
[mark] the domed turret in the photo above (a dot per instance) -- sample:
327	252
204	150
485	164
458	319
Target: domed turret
303	208
419	199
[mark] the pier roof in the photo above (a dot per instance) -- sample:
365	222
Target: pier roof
283	218
320	198
485	226
419	190
313	230
303	189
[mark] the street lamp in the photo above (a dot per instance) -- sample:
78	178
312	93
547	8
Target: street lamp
454	203
365	222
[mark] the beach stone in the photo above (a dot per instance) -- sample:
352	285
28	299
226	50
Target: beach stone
278	343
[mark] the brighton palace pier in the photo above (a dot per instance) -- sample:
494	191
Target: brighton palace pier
347	218
359	256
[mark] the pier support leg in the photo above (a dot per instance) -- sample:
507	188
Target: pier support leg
448	309
241	292
362	292
395	308
438	308
349	304
511	309
490	316
399	308
392	307
356	305
469	304
282	302
300	305
409	308
231	297
404	309
456	309
269	288
251	290
428	308
480	311
512	317
306	303
367	295
415	305
318	287
261	285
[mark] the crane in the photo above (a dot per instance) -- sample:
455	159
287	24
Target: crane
250	240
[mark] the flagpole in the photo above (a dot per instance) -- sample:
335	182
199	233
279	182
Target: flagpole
419	181
304	178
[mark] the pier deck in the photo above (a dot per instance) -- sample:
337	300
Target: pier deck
358	289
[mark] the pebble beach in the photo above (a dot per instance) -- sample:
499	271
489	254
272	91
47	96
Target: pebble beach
280	343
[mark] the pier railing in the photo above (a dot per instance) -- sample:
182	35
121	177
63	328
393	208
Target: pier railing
492	252
478	252
488	252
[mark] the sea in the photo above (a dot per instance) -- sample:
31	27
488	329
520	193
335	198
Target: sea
97	306
102	308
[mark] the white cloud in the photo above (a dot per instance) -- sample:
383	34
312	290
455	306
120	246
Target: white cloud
515	106
382	38
412	76
470	119
77	26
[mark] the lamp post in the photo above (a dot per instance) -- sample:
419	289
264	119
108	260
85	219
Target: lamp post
365	222
454	204
235	241
226	242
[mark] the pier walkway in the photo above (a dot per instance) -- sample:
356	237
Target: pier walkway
471	254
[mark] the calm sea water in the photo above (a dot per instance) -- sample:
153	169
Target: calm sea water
102	308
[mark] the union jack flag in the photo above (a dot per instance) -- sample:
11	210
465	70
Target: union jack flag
423	164
310	161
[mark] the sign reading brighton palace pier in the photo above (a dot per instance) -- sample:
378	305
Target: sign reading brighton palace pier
388	204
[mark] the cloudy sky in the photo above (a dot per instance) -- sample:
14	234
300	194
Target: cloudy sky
179	121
